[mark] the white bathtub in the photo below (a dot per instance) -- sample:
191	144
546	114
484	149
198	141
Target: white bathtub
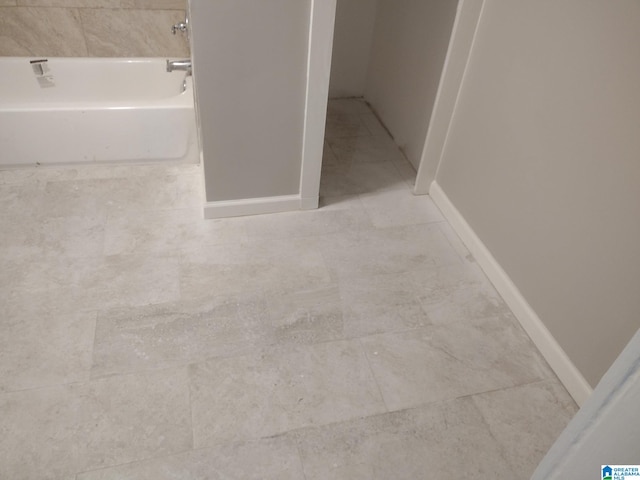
82	110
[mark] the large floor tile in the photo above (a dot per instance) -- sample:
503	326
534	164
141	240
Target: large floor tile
267	459
347	106
367	149
328	157
123	280
388	250
103	195
93	282
304	317
460	293
373	124
73	236
307	223
22	200
407	172
25	238
43	174
190	188
41	347
381	303
52	432
20	238
169	334
448	440
396	208
444	362
345	125
456	242
356	178
527	420
177	333
268	266
266	394
341	202
167	231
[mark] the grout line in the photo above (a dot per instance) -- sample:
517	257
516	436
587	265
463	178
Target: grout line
510	387
501	448
138	461
93	346
83	31
304	475
375	114
190	394
373	375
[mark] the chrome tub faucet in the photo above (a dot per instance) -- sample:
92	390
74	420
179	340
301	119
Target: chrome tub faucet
179	65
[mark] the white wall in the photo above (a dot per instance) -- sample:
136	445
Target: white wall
352	47
409	47
542	162
250	70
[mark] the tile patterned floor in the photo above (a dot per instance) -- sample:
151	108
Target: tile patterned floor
358	341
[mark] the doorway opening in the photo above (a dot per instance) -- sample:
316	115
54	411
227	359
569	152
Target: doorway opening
387	61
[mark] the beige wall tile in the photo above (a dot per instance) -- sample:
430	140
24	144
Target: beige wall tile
135	33
11	47
41	31
73	3
146	4
160	4
7	3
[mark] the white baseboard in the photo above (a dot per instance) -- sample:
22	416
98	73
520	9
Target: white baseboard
309	203
564	368
252	206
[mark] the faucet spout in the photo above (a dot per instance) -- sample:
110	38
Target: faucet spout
181	65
